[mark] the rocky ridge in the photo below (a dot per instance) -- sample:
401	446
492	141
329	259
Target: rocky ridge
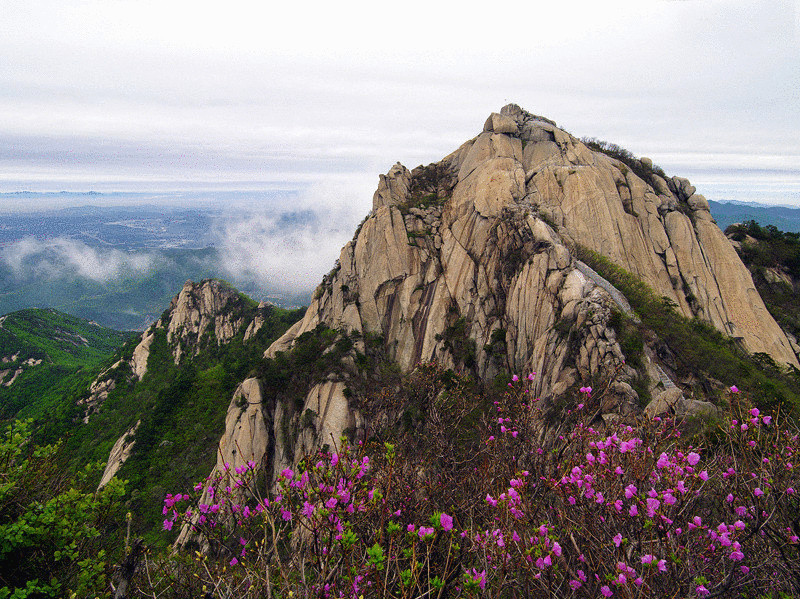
202	313
469	262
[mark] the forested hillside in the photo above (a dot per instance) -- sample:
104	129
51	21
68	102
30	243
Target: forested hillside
46	355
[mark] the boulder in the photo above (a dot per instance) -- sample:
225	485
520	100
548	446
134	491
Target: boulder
500	123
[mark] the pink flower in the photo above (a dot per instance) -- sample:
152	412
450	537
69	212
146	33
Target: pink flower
662	565
630	491
758	492
168	524
446	521
557	549
703	475
308	509
648	558
234	561
515	378
480	578
693	458
702	591
617	539
734	389
606	592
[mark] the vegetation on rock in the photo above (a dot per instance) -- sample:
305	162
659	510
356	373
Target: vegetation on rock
694	349
773	258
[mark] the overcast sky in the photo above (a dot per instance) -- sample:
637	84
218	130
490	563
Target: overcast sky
118	94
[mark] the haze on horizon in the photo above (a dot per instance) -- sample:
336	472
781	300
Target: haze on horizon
148	95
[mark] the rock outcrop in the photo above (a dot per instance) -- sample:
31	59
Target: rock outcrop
209	312
470	262
120	452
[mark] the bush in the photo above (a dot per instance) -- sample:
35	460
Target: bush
51	529
628	510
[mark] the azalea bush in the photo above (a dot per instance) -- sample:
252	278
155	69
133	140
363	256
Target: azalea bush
597	507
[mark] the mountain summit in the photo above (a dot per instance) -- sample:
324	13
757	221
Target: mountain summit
471	262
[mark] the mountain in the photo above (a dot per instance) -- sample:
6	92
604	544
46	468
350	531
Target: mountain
478	374
45	354
729	213
472	262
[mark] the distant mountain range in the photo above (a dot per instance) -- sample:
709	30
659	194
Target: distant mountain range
727	213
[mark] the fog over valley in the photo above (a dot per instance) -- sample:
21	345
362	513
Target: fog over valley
86	259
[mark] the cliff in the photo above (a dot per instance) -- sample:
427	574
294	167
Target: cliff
470	262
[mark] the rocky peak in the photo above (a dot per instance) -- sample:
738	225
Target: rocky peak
208	312
470	262
209	308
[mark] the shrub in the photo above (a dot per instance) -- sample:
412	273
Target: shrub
51	528
535	519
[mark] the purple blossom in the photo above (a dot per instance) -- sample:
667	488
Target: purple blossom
446	522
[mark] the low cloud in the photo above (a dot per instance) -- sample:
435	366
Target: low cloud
34	259
289	251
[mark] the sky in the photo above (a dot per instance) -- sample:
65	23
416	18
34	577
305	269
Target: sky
140	95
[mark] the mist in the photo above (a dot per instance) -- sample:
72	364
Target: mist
34	259
289	251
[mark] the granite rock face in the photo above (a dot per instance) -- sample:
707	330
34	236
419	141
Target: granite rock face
474	252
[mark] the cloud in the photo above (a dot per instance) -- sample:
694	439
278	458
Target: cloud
289	251
33	259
